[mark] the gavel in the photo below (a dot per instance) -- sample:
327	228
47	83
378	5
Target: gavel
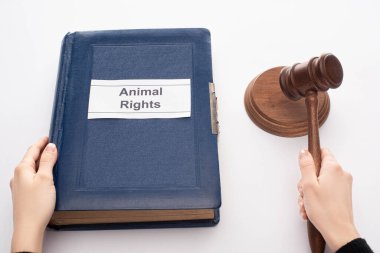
278	115
305	80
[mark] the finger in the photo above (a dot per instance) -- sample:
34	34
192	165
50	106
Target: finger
325	152
327	156
33	153
300	201
303	214
11	183
299	187
302	208
307	167
327	159
48	159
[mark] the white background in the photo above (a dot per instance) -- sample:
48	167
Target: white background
259	171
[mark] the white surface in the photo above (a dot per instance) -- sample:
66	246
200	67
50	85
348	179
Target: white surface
259	171
140	99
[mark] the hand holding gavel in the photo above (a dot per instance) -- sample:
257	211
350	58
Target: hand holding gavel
325	188
305	80
326	200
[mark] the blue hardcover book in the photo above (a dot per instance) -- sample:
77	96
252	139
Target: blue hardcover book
134	120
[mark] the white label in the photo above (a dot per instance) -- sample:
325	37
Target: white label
140	98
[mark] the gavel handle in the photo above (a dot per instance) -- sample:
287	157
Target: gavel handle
316	241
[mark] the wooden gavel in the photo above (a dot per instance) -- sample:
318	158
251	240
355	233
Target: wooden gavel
269	109
305	80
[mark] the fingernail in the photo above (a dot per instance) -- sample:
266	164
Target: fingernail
303	153
50	147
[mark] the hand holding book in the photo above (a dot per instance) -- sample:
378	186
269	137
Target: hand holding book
33	196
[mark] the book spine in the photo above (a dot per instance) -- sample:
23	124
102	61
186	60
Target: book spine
56	128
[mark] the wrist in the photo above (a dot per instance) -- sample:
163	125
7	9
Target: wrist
336	239
27	238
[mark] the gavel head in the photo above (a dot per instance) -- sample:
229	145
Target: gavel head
318	74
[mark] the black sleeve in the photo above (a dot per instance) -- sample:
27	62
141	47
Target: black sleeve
356	246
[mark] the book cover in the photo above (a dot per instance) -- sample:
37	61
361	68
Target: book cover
132	120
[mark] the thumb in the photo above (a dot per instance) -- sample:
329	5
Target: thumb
307	167
48	159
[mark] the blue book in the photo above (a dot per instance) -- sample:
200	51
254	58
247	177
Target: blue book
134	120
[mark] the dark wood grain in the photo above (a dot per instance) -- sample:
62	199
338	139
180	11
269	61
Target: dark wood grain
316	241
269	108
274	102
305	80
